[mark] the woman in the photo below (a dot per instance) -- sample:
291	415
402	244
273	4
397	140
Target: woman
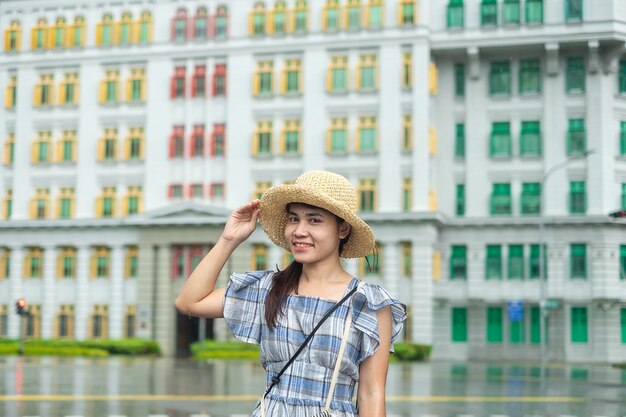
316	220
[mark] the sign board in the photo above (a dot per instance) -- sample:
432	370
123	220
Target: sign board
515	310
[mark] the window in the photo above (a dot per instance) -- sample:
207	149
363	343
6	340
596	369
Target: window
125	29
406	10
8	156
407	260
101	262
578	261
374	14
623	324
4	320
489	13
196	191
177	86
257	20
530	77
179	26
5	265
109	87
99	322
576	137
621	78
291	77
31	325
535	325
136	85
575	75
459	324
578	328
534	11
12	37
459	80
177	142
370	264
511	12
573	10
367	135
197	141
500	140
200	23
278	19
517	330
259	261
577	197
198	81
58	34
407	194
337	138
106	203
44	91
330	16
107	145
218	140
367	195
353	15
459	141
515	265
219	81
216	190
622	262
10	97
407	70
367	77
500	78
133	149
145	27
501	199
622	139
263	76
221	22
300	16
7	206
455	17
68	90
39	35
130	319
76	33
104	31
66	147
66	263
133	201
41	151
40	204
65	204
494	325
260	188
458	262
530	138
33	263
460	200
262	144
623	205
531	198
290	143
493	265
407	133
337	78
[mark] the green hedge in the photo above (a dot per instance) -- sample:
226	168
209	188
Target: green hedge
411	352
93	348
224	350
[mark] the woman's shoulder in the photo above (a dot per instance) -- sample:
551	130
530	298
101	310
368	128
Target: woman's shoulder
240	280
375	296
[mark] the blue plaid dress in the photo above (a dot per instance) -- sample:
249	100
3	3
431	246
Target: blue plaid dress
304	386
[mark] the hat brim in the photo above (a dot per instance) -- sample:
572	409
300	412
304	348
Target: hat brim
274	217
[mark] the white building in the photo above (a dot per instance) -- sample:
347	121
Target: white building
130	130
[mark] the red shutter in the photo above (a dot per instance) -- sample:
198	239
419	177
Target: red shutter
211	26
193	85
173	29
172	144
220	70
170	191
173	87
174	256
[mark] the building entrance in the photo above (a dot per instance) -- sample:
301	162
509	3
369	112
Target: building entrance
188	331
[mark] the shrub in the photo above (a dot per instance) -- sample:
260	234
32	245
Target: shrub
411	352
225	350
69	347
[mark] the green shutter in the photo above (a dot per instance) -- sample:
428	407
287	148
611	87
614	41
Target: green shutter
622	262
459	80
516	262
460	199
534	11
535	324
500	144
493	264
622	77
455	15
579	328
530	138
531	198
500	78
459	324
459	142
494	325
577	197
511	12
517	331
489	13
578	260
623	323
458	262
622	138
501	199
529	76
575	75
573	9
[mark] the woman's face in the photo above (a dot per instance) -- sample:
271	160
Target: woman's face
313	233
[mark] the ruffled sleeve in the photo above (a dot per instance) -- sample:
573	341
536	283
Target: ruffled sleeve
244	304
366	301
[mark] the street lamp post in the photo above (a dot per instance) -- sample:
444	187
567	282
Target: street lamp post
542	266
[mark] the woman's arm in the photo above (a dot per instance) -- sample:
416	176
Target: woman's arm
199	297
373	371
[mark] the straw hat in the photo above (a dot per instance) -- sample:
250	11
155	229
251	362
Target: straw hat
322	189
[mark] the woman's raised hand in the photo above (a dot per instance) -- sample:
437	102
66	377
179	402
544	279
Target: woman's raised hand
242	222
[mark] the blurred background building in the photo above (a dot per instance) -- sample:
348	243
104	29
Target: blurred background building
130	129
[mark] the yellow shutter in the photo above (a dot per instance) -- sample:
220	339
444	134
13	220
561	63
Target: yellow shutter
37	95
51	94
99	207
127	148
129	89
99	34
26	268
256	83
70	36
7	35
74	149
8	98
60	264
436	265
76	92
358	77
33	38
32	207
140	201
400	14
34	152
62	90
432	78
432	141
283	81
432	200
329	79
143	88
100	155
125	206
102	92
50	38
92	267
251	23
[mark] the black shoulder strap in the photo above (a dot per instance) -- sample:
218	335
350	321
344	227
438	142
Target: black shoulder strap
276	378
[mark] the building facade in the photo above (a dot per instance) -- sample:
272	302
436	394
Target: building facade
146	122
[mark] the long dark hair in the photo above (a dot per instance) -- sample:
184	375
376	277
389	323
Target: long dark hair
285	282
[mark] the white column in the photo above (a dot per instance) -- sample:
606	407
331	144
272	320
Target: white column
164	307
145	289
48	312
421	121
422	292
391	270
15	277
116	306
82	301
314	118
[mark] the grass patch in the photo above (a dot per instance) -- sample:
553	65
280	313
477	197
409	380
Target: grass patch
89	348
411	352
225	350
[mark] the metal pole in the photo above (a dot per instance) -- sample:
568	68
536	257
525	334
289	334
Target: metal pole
20	348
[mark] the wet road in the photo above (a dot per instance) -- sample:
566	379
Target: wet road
139	387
